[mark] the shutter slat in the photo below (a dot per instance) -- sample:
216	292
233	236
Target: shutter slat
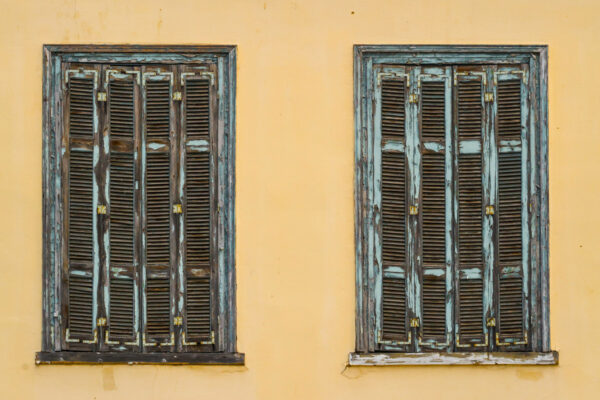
121	307
158	302
81	108
434	208
197	109
197	216
394	308
509	208
434	307
80	240
121	109
433	110
158	109
158	208
80	306
469	109
393	208
470	210
509	109
392	109
121	208
511	307
471	307
198	307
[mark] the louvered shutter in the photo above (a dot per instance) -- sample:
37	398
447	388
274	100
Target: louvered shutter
471	330
80	194
512	274
159	169
122	278
197	171
434	272
391	194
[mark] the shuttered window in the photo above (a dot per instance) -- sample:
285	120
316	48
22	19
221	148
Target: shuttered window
446	221
145	181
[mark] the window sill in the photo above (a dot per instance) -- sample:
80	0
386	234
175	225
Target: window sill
496	358
75	357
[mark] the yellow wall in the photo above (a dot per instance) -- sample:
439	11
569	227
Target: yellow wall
295	149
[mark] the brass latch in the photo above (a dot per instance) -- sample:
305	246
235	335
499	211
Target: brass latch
176	95
489	97
177	209
101	321
413	98
489	210
414	210
177	321
101	96
414	322
491	322
101	209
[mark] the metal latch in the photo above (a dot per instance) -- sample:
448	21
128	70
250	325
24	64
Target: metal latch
177	209
177	321
491	322
176	95
489	97
413	98
101	209
101	321
414	322
101	96
414	210
489	210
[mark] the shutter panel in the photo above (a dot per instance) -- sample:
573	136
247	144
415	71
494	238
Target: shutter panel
512	225
435	138
80	138
469	121
159	186
123	109
391	197
199	113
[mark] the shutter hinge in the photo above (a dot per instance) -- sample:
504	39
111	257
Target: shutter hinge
177	96
413	98
101	209
414	210
489	97
185	342
489	210
414	322
491	322
212	339
177	209
178	321
101	96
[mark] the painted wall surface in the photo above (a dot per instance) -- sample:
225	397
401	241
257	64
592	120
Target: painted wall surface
295	152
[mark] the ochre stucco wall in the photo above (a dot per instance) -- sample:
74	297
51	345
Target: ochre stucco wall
295	150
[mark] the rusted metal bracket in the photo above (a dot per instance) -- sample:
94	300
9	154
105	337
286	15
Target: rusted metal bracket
101	96
177	209
470	73
513	72
171	342
382	75
212	339
485	344
101	209
185	342
499	343
395	342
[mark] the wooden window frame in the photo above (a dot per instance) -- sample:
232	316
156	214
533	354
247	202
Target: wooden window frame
225	59
366	59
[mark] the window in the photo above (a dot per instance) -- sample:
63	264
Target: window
139	204
452	205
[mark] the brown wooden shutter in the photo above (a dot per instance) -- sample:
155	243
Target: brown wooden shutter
122	276
159	186
79	182
394	311
198	123
512	301
435	104
469	120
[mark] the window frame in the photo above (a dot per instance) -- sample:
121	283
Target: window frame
366	59
53	57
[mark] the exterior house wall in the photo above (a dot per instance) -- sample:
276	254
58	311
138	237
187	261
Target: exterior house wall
295	224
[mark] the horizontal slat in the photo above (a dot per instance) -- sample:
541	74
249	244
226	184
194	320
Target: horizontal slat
434	208
121	108
158	106
511	307
470	210
469	109
394	308
81	108
198	307
197	215
393	208
81	209
434	307
509	208
471	307
80	313
121	308
158	315
197	109
509	109
433	110
392	108
121	208
158	208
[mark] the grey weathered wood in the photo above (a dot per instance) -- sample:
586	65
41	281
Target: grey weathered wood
496	358
65	357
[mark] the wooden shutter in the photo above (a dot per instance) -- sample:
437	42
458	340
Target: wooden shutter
159	143
198	170
469	116
80	188
435	223
123	114
391	198
512	277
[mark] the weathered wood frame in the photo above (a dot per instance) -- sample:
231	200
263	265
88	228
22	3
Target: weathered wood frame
53	57
366	59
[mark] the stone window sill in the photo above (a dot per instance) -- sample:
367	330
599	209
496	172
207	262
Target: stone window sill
76	357
496	358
